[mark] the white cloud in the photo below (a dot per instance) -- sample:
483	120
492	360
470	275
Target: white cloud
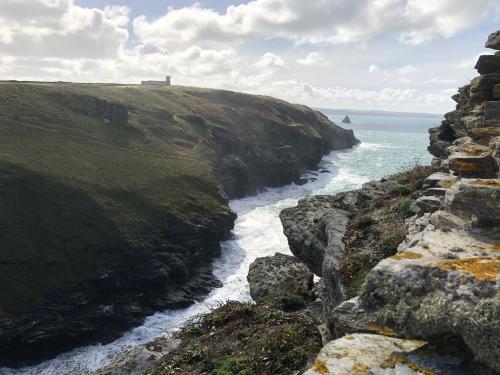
407	69
58	28
320	21
373	69
470	62
270	60
314	59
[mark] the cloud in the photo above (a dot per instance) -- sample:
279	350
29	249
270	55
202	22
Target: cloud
314	59
373	69
407	69
270	60
470	62
316	22
59	28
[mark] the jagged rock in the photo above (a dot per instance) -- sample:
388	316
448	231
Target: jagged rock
426	204
447	284
476	197
469	165
488	64
439	179
306	226
315	229
493	41
139	359
492	114
280	279
435	192
484	83
484	135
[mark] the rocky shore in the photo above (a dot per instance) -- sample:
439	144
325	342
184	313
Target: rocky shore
409	265
115	199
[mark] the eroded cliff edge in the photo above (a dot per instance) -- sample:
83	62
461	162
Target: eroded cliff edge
433	305
113	200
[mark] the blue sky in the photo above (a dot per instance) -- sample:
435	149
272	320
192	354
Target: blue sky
407	55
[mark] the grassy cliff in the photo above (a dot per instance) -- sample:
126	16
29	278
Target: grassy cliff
103	182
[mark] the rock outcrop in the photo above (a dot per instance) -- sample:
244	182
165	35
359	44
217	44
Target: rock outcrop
443	285
280	280
114	200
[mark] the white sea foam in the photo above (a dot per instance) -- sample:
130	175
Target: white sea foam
257	233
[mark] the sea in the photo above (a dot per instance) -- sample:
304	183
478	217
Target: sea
389	143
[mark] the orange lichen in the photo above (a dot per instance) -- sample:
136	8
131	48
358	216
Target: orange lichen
484	182
381	330
320	366
495	248
477	133
465	166
407	255
482	268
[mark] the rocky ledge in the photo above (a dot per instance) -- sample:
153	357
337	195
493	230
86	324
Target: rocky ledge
440	291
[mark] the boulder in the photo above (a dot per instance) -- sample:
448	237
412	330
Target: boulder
280	280
493	41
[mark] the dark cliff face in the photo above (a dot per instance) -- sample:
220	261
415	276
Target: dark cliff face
114	200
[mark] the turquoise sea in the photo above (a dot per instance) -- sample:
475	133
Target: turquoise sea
388	143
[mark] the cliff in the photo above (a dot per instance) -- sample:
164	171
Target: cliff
114	199
431	302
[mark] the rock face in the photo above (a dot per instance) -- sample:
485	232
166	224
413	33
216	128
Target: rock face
280	280
443	285
114	200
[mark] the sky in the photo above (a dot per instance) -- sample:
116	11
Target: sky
399	55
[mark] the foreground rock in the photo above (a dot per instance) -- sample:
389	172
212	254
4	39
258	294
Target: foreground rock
280	280
114	200
377	354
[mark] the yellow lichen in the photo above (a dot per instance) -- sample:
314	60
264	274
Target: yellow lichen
381	330
473	150
396	358
349	337
447	184
482	268
360	369
320	366
407	255
495	248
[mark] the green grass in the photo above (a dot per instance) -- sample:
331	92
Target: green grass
74	189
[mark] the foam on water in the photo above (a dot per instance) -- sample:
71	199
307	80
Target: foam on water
257	233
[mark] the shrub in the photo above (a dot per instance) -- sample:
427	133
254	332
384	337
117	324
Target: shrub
405	208
400	190
365	221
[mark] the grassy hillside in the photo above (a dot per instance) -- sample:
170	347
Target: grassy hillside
87	170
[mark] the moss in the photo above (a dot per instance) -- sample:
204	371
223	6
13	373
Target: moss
353	286
482	268
286	301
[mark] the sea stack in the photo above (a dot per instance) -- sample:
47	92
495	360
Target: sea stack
346	120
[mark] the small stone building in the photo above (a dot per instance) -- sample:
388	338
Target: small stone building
167	82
